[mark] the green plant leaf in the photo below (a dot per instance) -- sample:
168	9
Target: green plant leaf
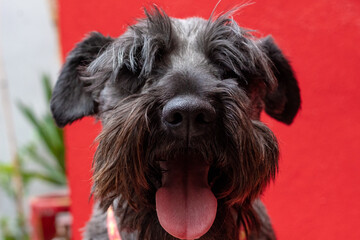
11	230
58	141
5	229
32	175
39	127
47	87
30	151
6	168
56	174
6	174
50	136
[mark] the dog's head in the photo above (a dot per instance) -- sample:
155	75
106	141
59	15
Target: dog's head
180	102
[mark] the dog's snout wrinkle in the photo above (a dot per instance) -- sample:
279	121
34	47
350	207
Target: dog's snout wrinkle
188	116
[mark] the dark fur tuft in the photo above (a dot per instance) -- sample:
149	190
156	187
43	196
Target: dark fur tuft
234	50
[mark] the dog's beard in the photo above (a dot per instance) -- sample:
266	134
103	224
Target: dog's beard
135	155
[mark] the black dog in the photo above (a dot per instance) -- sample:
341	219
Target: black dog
182	153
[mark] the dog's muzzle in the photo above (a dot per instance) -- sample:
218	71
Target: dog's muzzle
185	204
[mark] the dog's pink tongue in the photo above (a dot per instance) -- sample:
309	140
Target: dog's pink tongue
185	205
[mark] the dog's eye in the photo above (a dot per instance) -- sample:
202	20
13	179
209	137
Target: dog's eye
229	75
129	82
241	81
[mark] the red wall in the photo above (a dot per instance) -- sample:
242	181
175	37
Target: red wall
317	193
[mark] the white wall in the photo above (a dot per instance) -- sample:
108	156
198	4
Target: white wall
29	49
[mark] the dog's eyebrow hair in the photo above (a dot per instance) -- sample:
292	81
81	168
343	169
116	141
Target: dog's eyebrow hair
136	52
139	47
227	44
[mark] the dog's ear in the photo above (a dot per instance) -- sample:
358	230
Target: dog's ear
284	101
69	100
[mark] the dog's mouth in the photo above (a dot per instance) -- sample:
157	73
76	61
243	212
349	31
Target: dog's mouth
185	204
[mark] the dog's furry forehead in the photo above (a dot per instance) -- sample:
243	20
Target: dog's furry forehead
158	23
180	24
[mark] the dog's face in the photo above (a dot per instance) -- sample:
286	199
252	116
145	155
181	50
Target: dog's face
180	100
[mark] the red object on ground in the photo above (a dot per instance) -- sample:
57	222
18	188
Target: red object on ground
317	193
43	214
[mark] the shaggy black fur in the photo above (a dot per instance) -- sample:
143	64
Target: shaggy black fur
126	83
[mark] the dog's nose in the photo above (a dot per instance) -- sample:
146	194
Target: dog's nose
188	116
